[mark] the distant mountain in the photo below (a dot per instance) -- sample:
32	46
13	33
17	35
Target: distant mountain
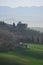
22	11
37	28
33	16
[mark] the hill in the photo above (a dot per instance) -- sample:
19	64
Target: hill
21	31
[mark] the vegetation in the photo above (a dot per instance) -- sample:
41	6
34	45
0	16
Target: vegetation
23	56
21	32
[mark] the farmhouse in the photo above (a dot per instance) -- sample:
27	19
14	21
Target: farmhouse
21	45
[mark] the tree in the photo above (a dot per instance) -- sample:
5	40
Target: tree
32	39
13	24
42	40
37	39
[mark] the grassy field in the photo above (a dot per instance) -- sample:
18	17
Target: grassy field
36	47
31	56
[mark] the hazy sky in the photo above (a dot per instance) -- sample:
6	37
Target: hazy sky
16	3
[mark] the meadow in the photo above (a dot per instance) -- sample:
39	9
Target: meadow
31	56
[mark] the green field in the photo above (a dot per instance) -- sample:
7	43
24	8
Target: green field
31	56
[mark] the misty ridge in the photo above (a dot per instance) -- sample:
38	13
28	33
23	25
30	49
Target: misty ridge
22	11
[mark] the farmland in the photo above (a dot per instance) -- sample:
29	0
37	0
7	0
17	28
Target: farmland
31	56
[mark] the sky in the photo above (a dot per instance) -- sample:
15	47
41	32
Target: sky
23	3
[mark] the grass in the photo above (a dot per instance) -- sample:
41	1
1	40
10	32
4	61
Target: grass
32	56
36	47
